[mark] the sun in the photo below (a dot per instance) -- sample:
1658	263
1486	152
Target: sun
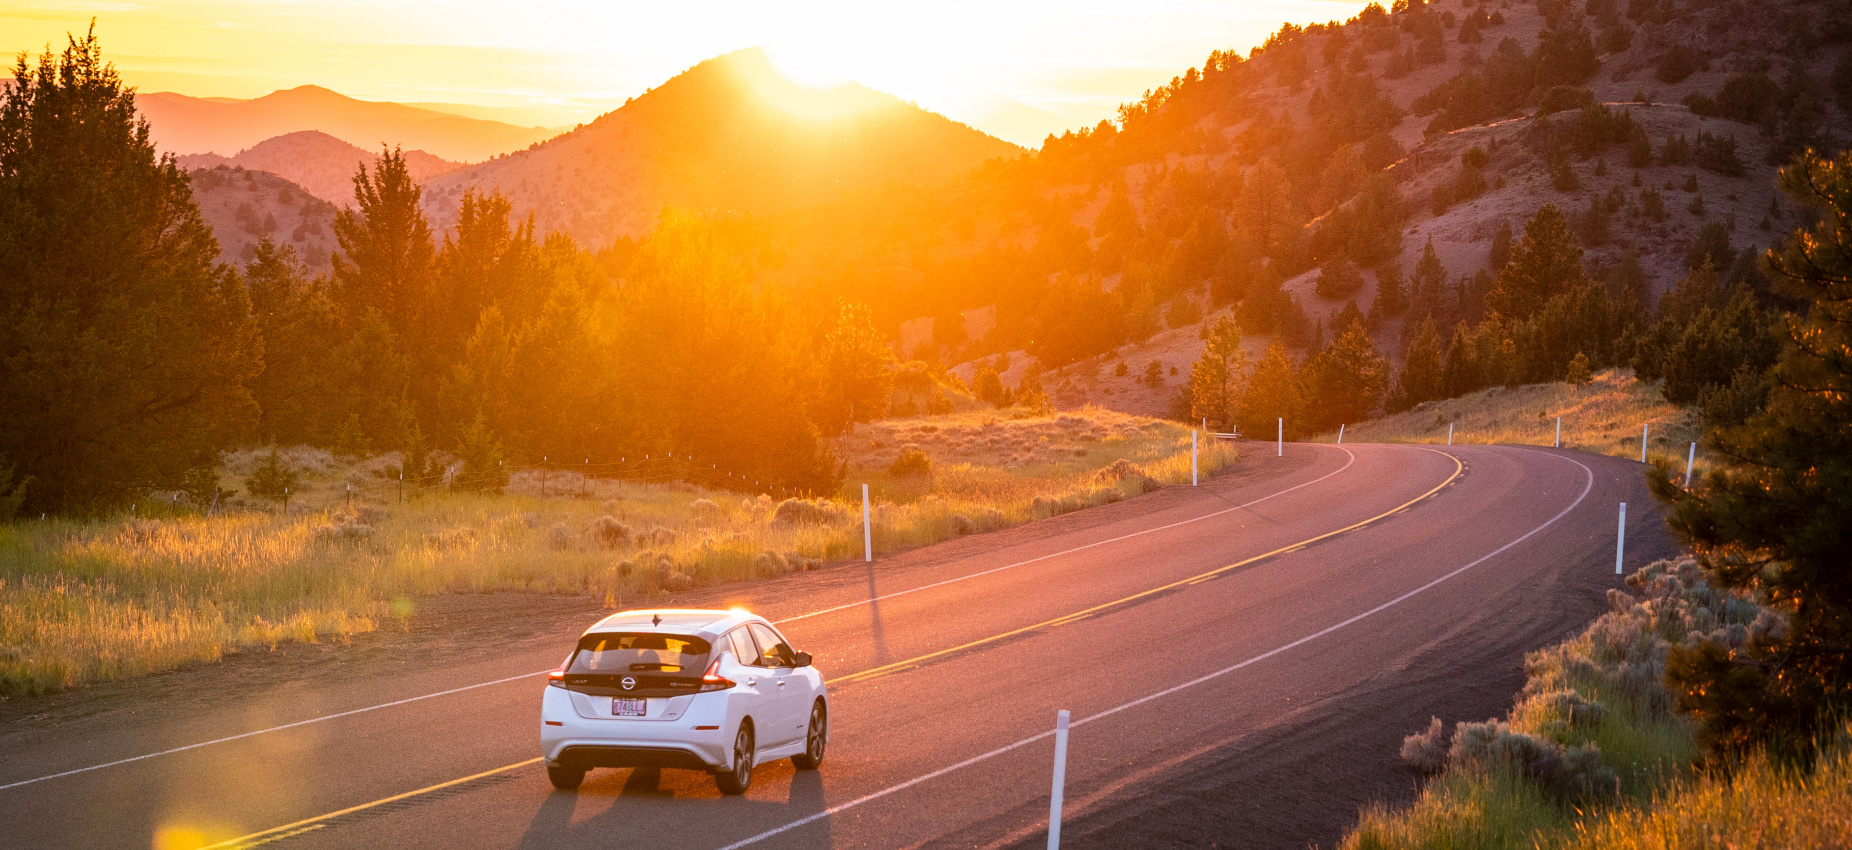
810	63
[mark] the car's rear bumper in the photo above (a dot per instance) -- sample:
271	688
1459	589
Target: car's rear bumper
605	755
699	739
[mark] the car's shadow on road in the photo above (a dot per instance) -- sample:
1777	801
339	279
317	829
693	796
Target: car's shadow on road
615	804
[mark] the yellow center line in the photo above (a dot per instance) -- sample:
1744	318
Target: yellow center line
1064	619
252	839
256	838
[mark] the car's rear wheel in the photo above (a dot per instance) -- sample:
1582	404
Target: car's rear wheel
737	779
815	739
565	778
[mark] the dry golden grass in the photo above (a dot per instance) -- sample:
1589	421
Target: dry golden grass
1603	417
83	601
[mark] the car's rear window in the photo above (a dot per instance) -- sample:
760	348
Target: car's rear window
639	653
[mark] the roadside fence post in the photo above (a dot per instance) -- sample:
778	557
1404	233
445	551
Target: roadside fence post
1340	434
401	486
1644	429
1559	432
350	498
1690	458
286	501
1054	803
1620	540
1282	438
1193	457
868	532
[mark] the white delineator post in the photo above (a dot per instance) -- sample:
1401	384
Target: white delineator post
1559	432
1054	803
1193	457
1450	433
1620	540
868	532
1690	458
1282	438
1643	431
1340	435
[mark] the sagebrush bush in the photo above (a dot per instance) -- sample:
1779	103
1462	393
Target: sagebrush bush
609	532
810	511
912	461
560	536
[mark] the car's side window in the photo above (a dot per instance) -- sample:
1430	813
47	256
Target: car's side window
776	653
743	649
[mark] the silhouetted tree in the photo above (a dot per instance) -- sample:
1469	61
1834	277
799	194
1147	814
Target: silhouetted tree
128	349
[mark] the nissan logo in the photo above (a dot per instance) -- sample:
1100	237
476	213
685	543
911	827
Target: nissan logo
629	683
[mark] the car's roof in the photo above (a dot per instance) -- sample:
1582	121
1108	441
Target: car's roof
685	621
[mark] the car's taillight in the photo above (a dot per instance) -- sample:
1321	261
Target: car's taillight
712	680
557	678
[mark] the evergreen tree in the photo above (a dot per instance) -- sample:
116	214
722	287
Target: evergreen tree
1423	371
1391	300
295	391
1215	379
858	371
387	259
1546	263
1272	393
1346	381
128	348
1501	247
1775	520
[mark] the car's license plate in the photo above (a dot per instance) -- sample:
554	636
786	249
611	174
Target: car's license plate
629	707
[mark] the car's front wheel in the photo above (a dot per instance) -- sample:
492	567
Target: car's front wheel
739	777
565	778
816	738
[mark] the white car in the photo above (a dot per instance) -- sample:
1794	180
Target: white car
719	691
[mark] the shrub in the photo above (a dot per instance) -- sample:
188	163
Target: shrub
1563	98
274	477
809	511
1426	751
559	536
608	532
1717	153
911	462
1680	62
704	510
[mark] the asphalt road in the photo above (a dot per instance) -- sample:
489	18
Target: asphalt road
1239	660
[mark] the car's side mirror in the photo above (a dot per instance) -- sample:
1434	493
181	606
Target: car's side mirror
803	659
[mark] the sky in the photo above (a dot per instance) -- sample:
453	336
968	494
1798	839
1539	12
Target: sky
1012	67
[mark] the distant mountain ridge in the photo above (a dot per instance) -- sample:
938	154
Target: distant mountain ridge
321	164
728	135
181	124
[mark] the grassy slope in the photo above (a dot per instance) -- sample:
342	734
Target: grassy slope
82	601
1603	417
1647	793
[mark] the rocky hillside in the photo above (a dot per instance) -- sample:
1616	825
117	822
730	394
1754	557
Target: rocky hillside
244	206
1649	123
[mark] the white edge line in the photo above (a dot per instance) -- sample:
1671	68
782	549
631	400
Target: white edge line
833	810
1351	458
269	730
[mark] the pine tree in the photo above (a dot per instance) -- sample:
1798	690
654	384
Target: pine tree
481	454
1501	247
1391	300
1272	393
857	371
1215	379
387	259
1423	371
128	348
1775	521
1345	382
1546	263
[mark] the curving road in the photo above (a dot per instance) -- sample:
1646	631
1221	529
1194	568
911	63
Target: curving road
1239	659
